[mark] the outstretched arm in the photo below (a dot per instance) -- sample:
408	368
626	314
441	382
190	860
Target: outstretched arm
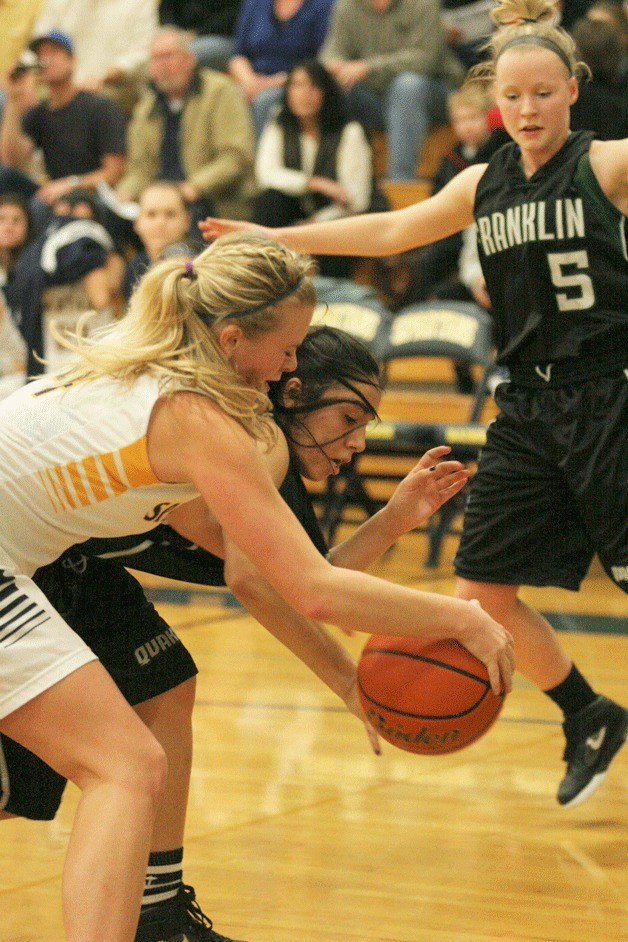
375	234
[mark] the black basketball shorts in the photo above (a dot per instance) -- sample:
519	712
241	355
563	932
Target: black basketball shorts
551	488
107	607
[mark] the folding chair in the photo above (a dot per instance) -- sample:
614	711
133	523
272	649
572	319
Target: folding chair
455	330
355	309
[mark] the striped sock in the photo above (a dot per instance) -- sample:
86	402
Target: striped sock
160	905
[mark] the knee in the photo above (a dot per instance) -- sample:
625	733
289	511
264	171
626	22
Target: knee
410	85
494	598
146	773
138	767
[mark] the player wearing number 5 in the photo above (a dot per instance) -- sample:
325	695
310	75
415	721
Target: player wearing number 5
552	484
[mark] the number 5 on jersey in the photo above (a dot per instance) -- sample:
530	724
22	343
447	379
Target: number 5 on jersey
559	262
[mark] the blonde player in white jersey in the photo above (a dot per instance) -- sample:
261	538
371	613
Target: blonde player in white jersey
170	404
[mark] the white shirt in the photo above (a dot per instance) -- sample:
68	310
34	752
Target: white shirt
354	165
74	464
107	34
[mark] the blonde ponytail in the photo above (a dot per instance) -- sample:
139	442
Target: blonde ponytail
168	331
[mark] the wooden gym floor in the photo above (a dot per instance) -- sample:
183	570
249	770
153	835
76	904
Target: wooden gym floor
297	833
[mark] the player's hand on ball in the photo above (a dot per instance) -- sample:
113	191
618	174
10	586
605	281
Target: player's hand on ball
425	488
492	644
354	705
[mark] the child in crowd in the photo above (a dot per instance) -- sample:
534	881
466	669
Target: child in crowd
418	275
164	219
432	270
602	104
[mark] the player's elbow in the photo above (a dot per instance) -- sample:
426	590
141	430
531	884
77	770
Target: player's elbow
243	583
316	601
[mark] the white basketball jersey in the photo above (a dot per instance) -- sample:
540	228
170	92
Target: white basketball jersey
74	464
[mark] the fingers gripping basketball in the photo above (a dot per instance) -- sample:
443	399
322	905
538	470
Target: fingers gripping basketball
428	699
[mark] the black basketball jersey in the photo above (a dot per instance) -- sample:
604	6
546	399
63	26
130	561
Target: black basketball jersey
163	552
553	253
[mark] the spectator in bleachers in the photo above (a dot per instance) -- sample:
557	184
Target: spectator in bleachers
602	104
16	231
213	25
163	220
80	134
66	271
111	43
431	270
271	36
467	26
396	69
312	164
613	12
192	127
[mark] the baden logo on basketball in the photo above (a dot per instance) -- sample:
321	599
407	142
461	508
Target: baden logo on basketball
424	739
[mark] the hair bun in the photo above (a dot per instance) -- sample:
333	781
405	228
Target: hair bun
518	12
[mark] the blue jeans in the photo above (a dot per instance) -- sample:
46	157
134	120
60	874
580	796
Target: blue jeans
411	104
263	106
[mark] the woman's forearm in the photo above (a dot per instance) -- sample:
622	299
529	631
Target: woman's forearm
312	643
366	544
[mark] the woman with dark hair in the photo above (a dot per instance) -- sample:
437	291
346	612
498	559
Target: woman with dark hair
16	231
312	163
270	37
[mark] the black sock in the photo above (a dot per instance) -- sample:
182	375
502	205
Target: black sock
573	693
160	915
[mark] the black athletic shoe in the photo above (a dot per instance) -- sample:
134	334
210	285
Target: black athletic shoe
197	927
594	735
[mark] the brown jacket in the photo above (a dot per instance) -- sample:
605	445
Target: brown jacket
217	143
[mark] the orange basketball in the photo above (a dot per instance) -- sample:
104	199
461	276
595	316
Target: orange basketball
426	698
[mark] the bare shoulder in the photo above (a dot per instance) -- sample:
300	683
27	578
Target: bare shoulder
609	162
464	185
188	431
